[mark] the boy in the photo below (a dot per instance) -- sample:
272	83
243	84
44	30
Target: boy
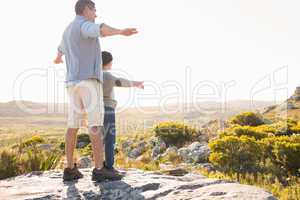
109	82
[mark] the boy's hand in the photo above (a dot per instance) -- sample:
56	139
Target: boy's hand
139	85
128	31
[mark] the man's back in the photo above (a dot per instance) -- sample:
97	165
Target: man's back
82	53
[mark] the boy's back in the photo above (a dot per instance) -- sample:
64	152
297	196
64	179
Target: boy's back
109	82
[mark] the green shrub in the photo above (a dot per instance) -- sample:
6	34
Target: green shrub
35	159
86	151
36	139
288	156
28	157
235	154
246	131
83	138
174	133
62	146
172	157
284	154
247	119
266	128
8	164
286	127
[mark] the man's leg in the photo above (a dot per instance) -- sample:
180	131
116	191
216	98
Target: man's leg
70	144
92	99
71	172
97	145
75	116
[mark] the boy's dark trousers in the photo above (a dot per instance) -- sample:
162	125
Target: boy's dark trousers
109	126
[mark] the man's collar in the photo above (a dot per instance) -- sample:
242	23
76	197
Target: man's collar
80	17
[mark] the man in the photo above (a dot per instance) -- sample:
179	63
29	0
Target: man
84	78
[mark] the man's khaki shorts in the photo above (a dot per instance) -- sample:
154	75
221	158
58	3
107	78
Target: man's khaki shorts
86	107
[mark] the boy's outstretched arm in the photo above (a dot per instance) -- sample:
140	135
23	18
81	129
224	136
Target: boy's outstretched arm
123	82
139	84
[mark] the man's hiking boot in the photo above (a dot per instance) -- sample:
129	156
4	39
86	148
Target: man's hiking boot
72	174
103	174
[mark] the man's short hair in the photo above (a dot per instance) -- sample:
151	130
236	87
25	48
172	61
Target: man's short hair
106	57
81	4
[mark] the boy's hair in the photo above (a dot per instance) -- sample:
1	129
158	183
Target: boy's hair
81	4
106	57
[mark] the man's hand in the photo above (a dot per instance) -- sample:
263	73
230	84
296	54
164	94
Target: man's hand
58	59
139	84
128	31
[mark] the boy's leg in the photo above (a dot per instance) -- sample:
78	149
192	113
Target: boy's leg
110	136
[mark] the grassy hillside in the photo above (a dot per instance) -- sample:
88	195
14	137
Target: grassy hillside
288	109
16	124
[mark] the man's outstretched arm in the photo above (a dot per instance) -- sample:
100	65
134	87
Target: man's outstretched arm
93	30
60	53
107	30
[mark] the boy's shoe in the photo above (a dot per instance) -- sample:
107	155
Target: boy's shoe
114	170
103	174
72	174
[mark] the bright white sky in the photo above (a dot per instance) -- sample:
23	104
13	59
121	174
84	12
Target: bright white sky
220	41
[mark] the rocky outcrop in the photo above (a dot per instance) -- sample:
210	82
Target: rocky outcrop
85	162
158	147
296	95
138	151
195	153
135	186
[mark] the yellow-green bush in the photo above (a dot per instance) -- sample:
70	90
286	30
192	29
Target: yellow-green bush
174	133
247	119
36	139
249	131
288	156
172	157
266	128
284	154
146	163
8	164
83	138
276	155
26	157
36	159
86	151
286	127
235	154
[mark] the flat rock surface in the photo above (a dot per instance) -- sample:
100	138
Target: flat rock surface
136	185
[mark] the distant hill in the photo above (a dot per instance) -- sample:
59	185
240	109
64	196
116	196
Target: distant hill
290	108
186	111
287	109
55	115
